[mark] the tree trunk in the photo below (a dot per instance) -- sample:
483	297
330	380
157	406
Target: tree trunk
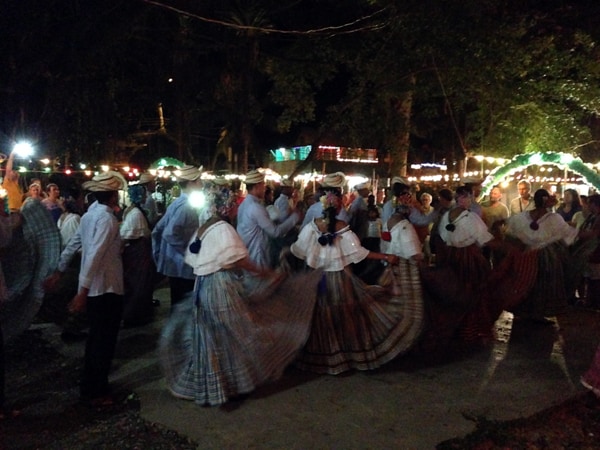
401	111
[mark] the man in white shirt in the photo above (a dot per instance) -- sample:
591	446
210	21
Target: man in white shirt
101	286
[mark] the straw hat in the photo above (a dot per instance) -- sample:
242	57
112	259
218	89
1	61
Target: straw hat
400	180
254	177
471	180
334	180
188	173
146	178
361	186
221	181
106	181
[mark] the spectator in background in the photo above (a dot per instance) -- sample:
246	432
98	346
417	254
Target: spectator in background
34	192
524	202
571	204
53	202
11	184
580	216
495	212
148	181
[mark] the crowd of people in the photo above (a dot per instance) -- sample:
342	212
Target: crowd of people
268	276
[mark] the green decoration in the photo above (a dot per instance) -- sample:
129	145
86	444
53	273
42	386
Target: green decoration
165	162
559	159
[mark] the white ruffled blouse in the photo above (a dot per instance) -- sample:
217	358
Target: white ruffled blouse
405	242
551	228
345	249
220	247
469	229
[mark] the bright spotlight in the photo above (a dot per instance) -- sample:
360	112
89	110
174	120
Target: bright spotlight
197	199
23	149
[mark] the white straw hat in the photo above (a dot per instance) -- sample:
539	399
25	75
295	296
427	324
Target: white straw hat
106	181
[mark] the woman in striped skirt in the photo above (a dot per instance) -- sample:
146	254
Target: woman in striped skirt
355	326
231	335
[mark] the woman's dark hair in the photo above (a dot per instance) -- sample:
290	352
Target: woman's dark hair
399	188
463	191
575	195
539	196
330	214
446	194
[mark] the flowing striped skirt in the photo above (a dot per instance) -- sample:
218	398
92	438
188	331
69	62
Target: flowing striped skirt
223	341
357	326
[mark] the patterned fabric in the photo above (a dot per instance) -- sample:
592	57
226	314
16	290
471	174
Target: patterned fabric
459	302
30	258
221	342
553	281
356	326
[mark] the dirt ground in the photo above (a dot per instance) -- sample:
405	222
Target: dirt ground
520	391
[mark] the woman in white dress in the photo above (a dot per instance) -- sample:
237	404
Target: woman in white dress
355	326
232	334
546	239
459	280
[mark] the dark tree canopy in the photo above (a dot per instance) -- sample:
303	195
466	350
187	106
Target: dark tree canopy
84	78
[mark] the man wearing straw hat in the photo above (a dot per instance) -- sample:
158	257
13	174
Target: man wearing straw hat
254	225
149	182
101	286
172	234
283	201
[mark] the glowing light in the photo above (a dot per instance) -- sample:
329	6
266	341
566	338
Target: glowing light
23	149
105	168
45	161
68	171
536	158
83	166
88	172
197	199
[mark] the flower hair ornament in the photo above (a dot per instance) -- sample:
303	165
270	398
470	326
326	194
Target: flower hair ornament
330	200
